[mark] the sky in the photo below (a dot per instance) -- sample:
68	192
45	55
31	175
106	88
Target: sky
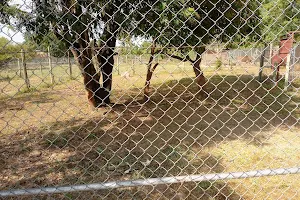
16	37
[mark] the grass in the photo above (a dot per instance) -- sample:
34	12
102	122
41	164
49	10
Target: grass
52	137
27	90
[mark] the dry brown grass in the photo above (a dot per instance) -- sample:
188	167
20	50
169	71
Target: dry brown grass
51	136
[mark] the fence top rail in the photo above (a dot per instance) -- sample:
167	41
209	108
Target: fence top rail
151	181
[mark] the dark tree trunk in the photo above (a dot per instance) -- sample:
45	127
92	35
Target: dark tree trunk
97	95
106	67
91	81
107	61
148	80
150	71
200	79
91	78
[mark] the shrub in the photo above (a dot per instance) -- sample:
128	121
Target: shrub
218	63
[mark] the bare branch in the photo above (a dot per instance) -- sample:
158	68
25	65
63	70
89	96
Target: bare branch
154	67
187	58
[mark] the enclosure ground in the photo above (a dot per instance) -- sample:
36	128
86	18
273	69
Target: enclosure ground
50	136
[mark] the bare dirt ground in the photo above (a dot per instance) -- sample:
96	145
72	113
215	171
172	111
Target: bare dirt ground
51	137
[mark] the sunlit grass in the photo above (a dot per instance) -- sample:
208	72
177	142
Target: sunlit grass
51	136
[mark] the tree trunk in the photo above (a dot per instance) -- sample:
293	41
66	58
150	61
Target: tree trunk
90	77
106	59
150	71
107	63
148	79
83	55
97	95
200	79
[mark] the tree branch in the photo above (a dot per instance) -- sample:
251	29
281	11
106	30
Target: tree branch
154	67
187	58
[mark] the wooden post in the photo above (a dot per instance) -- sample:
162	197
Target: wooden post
27	83
275	73
261	64
20	68
70	65
50	66
270	53
287	71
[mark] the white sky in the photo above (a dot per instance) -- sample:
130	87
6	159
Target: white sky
16	37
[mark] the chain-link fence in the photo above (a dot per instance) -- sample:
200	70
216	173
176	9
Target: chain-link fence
168	99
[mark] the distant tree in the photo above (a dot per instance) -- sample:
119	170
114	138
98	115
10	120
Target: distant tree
183	29
58	48
128	47
6	51
279	17
146	47
11	15
10	50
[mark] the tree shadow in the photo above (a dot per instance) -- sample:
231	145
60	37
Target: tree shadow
168	136
236	107
18	100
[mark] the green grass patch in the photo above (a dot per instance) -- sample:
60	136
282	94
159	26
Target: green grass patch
27	90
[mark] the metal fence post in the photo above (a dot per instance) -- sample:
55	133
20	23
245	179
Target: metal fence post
27	83
50	66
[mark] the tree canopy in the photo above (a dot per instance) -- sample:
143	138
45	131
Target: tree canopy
278	18
91	28
7	51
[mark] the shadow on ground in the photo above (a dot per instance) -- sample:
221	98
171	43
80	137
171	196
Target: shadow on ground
169	136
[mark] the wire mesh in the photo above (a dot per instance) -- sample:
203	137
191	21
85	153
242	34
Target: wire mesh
146	99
